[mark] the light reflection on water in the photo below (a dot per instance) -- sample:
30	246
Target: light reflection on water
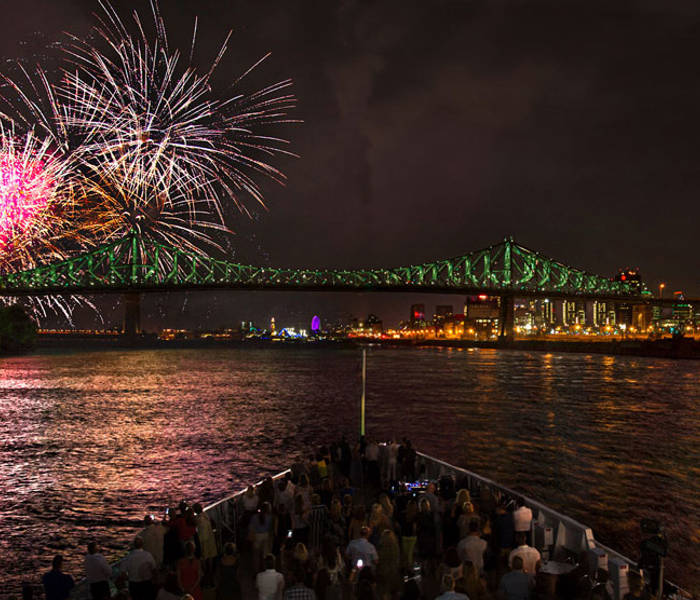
90	442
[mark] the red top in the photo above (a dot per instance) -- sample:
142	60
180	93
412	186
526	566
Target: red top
188	570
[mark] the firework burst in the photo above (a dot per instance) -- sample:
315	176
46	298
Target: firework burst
158	151
37	188
35	201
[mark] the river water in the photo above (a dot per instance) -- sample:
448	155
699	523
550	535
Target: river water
92	441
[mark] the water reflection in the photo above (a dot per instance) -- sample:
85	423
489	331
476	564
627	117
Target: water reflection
89	442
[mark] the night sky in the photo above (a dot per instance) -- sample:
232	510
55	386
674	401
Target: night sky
434	128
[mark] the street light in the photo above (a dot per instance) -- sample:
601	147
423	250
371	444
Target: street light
661	290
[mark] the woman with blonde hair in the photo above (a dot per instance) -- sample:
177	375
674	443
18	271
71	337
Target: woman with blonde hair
387	506
377	523
463	496
468	514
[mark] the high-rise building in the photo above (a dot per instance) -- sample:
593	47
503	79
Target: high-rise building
682	311
623	314
442	311
631	277
374	324
603	313
641	317
481	315
417	314
546	310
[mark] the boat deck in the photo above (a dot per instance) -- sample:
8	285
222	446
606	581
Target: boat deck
567	545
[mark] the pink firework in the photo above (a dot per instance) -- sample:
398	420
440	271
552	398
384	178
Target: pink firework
36	197
26	189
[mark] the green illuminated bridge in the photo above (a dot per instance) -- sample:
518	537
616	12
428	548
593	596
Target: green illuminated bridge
129	265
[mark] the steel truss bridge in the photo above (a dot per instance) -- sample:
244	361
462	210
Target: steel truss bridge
131	265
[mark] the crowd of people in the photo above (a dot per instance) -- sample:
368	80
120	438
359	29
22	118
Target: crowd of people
339	526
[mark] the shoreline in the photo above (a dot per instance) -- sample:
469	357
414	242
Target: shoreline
678	349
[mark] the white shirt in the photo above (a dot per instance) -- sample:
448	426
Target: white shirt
452	596
139	565
152	538
372	451
268	582
393	452
97	568
472	548
529	555
360	548
522	518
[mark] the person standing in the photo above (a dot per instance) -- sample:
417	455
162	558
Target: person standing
207	541
297	589
447	587
361	549
189	572
393	458
228	587
522	519
97	573
154	539
269	582
516	584
140	567
372	458
57	584
260	534
530	556
472	547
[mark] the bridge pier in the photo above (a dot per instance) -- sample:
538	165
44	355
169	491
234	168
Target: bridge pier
506	319
131	326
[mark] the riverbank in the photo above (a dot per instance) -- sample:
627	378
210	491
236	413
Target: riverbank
679	348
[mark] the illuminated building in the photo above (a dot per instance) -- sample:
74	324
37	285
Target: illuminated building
372	326
682	311
545	313
624	312
481	314
442	312
573	313
603	313
524	316
453	327
631	277
417	314
641	317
